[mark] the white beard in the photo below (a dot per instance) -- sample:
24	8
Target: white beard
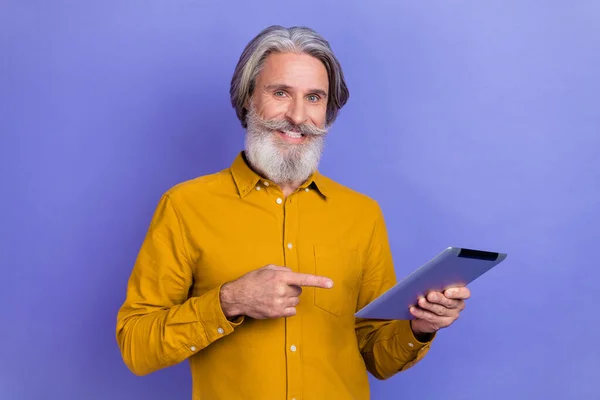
278	160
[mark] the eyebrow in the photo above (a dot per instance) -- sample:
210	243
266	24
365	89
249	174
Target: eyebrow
279	86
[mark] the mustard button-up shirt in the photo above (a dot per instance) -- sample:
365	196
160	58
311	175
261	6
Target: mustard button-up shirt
215	228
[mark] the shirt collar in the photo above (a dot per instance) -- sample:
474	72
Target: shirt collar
246	178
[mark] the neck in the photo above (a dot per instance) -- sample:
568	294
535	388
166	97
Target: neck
289	188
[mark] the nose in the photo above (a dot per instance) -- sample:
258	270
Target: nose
296	112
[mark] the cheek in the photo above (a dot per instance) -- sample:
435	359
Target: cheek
318	116
270	109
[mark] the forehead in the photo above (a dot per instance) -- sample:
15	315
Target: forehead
300	71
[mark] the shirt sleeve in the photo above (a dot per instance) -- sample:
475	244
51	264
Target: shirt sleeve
387	347
159	325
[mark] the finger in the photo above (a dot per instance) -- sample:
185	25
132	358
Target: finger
277	268
460	293
430	317
437	309
289	312
299	279
293	301
438	298
293	290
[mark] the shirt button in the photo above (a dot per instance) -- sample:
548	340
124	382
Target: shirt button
220	330
293	348
410	344
290	246
258	188
193	348
306	190
279	201
266	183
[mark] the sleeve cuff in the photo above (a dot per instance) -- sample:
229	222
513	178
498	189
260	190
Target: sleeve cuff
409	341
414	337
210	313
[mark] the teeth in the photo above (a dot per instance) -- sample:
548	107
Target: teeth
294	135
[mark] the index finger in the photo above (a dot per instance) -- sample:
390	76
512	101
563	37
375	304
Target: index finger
300	279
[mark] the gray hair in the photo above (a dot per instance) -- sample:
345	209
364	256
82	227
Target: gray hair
279	39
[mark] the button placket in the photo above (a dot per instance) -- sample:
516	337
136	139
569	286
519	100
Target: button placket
293	327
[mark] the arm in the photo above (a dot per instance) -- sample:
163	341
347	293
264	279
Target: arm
387	347
159	325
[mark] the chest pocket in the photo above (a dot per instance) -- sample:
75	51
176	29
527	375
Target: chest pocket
344	267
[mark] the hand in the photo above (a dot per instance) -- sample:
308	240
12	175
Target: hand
438	310
268	292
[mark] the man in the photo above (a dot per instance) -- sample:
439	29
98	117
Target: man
254	273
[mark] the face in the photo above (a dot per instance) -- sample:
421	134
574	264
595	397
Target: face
286	117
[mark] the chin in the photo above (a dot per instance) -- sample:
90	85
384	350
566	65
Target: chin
283	161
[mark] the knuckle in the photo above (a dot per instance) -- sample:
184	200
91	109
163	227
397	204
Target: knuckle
266	274
280	290
431	317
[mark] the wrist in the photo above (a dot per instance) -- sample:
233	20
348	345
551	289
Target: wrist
229	305
421	336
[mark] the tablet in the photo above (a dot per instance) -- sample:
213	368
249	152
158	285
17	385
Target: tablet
454	266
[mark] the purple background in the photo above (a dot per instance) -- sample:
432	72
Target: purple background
473	123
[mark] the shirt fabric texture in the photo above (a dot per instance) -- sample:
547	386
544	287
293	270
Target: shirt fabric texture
213	229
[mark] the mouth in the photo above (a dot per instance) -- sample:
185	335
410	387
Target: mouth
292	137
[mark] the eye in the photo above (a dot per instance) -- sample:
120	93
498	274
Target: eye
279	93
313	98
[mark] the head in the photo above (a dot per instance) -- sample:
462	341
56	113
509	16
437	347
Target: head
287	90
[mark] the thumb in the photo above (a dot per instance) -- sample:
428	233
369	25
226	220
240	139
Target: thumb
277	268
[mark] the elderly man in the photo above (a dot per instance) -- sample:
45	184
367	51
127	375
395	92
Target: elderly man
254	273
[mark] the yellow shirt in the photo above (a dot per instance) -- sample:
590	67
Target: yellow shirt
213	229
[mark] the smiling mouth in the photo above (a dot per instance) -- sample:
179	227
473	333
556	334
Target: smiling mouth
291	136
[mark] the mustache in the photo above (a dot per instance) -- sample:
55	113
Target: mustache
286	126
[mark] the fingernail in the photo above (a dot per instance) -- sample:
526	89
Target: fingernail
450	292
434	297
329	284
